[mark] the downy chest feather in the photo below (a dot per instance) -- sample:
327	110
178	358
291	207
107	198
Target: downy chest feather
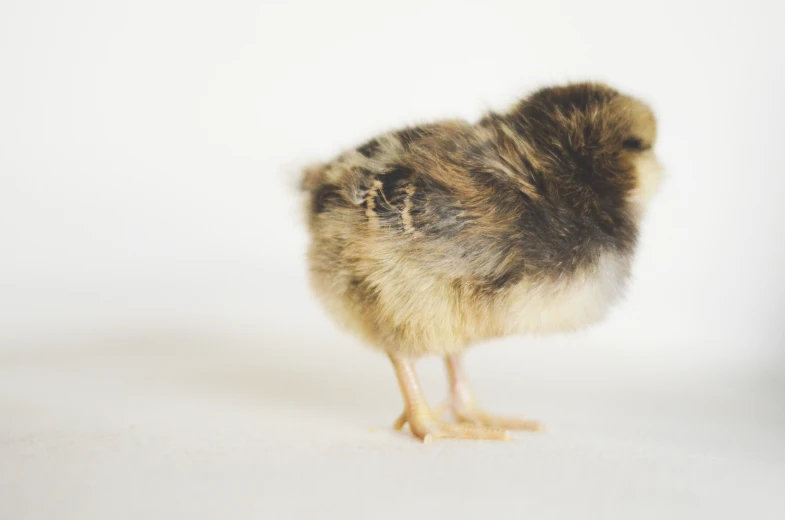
568	303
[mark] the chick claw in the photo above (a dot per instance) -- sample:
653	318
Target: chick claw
426	427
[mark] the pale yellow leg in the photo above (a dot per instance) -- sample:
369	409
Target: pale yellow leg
422	422
462	405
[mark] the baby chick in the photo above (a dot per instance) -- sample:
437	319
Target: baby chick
430	239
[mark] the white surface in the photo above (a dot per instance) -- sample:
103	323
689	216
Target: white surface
168	424
160	353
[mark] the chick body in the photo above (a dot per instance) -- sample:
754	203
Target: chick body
429	239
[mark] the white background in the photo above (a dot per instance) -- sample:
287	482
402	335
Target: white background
160	351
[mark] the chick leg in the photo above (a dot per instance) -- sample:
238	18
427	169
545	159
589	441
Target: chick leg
423	423
462	405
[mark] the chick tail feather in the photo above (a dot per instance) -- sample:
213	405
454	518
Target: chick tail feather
313	177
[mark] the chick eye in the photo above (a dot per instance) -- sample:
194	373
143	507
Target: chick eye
632	144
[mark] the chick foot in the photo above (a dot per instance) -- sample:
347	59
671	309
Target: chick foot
462	405
469	414
423	423
427	427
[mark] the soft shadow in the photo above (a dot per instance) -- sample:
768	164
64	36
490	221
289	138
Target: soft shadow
252	368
